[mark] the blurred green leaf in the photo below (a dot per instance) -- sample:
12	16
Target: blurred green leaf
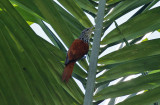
151	4
147	98
144	49
27	5
110	66
146	39
55	19
31	72
74	25
136	26
85	4
28	16
45	10
9	70
154	71
32	17
129	87
113	1
124	7
133	67
76	11
52	36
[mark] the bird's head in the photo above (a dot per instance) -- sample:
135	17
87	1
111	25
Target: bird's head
86	33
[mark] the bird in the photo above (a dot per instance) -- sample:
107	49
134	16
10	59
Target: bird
77	50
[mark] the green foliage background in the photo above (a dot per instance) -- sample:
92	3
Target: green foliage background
31	68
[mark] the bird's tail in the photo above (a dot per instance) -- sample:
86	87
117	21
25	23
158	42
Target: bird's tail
68	71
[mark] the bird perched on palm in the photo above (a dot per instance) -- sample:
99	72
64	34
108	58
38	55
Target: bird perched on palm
76	51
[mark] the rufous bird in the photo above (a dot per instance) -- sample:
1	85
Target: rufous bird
76	51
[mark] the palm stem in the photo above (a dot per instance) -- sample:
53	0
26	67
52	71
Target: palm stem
94	54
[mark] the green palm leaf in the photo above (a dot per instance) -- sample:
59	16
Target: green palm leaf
129	87
135	27
37	72
31	68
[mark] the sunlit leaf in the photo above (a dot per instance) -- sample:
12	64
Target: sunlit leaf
147	48
129	87
124	7
43	9
136	27
133	67
143	99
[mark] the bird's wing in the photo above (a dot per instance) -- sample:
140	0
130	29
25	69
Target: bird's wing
77	50
67	60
